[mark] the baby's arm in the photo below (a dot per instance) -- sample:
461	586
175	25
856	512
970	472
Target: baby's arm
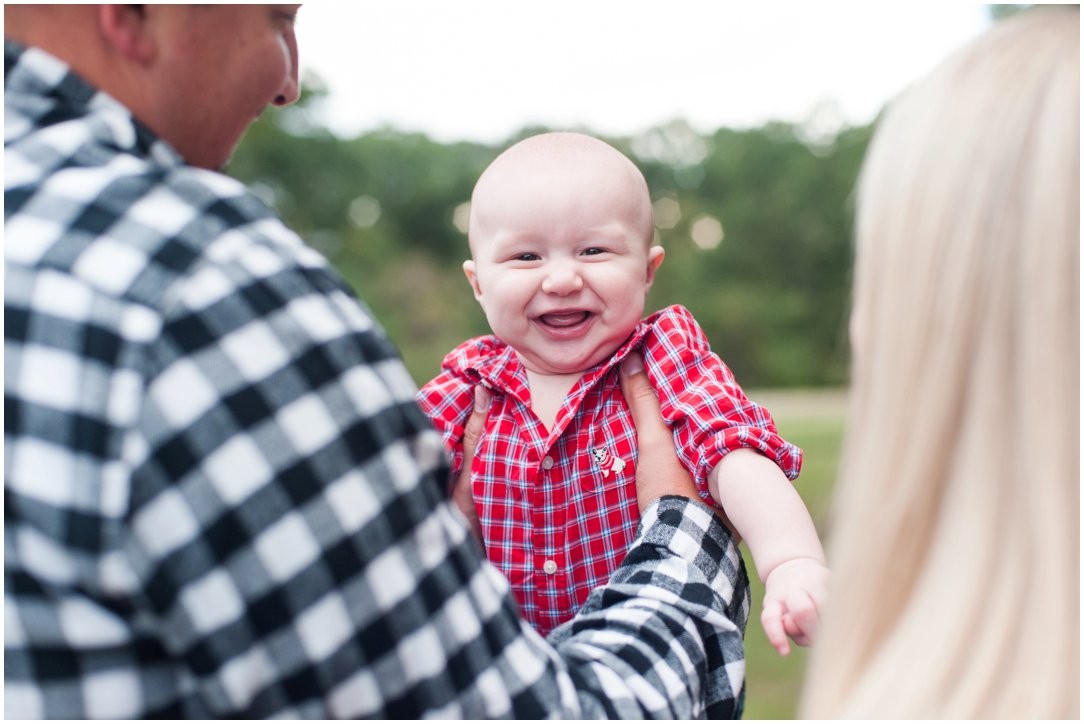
770	516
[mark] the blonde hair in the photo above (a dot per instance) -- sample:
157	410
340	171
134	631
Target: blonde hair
955	539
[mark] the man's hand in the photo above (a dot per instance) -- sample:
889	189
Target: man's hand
794	595
658	470
462	494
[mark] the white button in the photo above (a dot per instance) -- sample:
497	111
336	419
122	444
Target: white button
547	462
550	567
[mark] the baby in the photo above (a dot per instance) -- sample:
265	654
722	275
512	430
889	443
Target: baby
561	233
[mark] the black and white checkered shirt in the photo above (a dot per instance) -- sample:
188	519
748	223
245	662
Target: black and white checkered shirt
221	499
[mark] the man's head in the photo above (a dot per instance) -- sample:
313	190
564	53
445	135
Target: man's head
561	237
196	75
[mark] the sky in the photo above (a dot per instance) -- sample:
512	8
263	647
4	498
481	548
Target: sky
480	70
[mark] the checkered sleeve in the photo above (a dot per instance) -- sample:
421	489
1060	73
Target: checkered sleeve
703	402
656	610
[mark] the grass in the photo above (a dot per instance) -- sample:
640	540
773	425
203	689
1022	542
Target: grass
813	420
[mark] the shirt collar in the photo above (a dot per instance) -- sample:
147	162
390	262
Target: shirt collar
502	369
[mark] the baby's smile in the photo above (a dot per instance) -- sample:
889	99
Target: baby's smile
564	319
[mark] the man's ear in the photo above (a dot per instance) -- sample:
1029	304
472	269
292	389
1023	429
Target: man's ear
655	256
124	28
472	276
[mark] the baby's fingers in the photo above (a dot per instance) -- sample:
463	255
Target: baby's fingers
771	618
802	618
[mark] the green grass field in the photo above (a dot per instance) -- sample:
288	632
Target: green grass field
813	420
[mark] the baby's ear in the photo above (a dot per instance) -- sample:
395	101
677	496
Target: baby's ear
472	277
655	256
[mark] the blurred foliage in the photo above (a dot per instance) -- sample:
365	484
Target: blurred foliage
771	293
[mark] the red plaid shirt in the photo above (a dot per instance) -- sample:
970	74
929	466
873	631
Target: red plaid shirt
558	508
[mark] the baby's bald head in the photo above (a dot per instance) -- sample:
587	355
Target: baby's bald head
530	171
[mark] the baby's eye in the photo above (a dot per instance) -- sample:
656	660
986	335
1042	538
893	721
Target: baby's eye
526	256
593	251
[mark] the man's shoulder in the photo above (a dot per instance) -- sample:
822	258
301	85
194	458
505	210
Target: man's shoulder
218	213
214	227
148	232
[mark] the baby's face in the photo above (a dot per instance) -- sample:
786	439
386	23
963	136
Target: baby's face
562	263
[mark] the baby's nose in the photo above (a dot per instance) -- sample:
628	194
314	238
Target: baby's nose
562	279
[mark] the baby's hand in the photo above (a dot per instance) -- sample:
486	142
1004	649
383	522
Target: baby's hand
794	593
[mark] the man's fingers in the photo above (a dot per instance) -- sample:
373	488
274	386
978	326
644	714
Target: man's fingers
641	399
476	423
658	470
462	494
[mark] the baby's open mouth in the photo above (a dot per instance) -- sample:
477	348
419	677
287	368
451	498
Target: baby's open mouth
564	319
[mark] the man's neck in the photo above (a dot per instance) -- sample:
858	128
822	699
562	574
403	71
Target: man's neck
64	31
